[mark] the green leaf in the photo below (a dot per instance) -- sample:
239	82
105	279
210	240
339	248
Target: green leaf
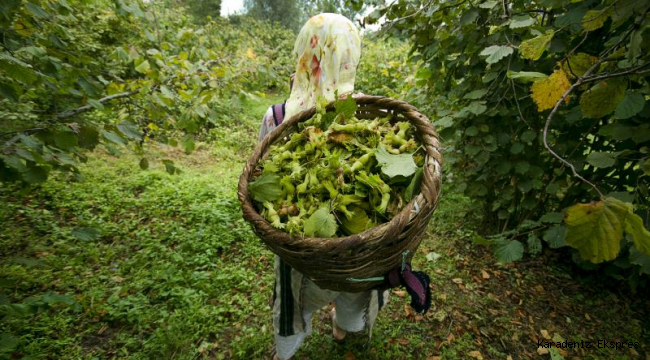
517	148
87	233
594	19
617	131
35	174
509	251
641	133
14	162
534	244
533	49
603	98
495	53
555	236
265	188
488	4
636	42
423	73
634	226
113	137
88	137
144	164
414	187
522	167
476	107
346	108
143	67
638	258
123	55
521	21
601	159
9	92
471	131
476	94
96	104
36	10
552	217
169	166
358	223
528	136
130	130
468	17
596	229
555	353
188	145
65	139
444	122
525	76
92	88
631	105
321	224
394	165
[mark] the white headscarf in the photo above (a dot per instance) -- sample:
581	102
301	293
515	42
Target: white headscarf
328	49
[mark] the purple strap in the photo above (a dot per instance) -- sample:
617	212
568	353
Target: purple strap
416	284
278	113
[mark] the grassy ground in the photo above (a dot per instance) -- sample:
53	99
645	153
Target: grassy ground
175	273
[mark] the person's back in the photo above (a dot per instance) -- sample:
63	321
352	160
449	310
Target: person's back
328	52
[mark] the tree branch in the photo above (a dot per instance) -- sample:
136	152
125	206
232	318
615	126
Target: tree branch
86	108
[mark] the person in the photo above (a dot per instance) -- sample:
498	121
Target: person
328	50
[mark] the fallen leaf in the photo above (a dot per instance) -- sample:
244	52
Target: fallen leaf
419	317
408	310
403	341
509	357
542	351
476	355
457	280
587	317
485	274
400	293
350	356
545	334
434	358
117	279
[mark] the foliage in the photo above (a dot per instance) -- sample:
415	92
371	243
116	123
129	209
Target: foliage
385	69
129	72
285	12
292	14
204	9
176	273
585	61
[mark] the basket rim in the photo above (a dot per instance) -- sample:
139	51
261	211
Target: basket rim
350	240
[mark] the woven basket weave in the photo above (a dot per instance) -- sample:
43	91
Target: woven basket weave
335	263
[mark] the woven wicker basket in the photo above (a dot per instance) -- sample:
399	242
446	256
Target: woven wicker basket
338	263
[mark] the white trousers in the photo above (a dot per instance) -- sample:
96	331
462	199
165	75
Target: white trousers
354	311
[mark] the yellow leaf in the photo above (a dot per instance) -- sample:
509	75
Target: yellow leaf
384	72
596	229
548	91
250	53
533	49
